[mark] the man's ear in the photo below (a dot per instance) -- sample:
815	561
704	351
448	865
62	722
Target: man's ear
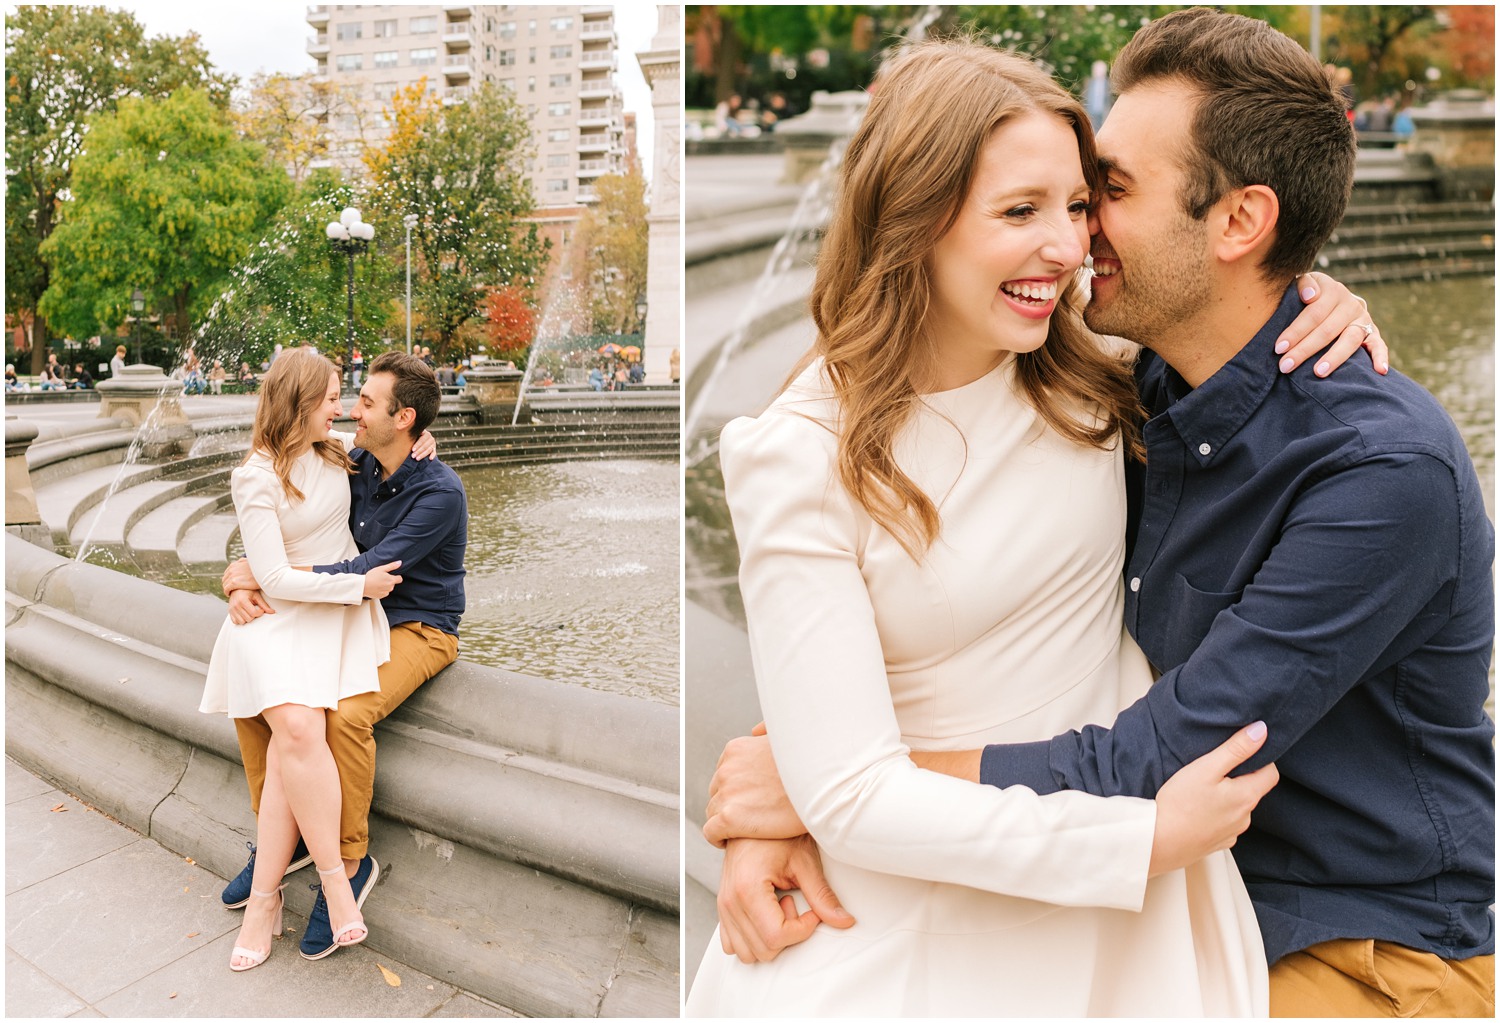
404	418
1246	218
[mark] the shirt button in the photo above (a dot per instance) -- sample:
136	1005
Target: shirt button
361	524
1204	449
1135	585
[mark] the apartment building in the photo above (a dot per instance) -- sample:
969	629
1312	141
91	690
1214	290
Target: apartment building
560	62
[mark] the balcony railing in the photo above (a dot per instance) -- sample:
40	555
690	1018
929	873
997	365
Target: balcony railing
602	87
597	58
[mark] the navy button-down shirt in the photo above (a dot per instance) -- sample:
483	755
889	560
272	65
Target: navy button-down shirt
1314	554
419	517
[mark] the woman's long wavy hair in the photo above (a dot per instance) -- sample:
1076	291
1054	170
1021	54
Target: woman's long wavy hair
294	387
906	174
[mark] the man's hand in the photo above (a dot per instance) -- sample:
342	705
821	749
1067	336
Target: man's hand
248	605
1201	809
745	797
238	577
753	923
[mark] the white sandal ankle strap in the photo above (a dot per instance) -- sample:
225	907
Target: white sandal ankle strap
330	871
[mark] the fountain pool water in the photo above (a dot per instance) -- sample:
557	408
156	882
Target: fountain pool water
573	573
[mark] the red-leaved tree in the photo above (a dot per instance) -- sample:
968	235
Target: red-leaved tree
512	322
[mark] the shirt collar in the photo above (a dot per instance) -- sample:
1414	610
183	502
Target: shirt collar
1208	415
398	479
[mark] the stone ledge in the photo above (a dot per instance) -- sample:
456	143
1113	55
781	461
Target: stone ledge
529	829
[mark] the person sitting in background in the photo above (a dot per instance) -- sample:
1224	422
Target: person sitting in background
52	376
216	377
83	380
246	378
13	382
596	378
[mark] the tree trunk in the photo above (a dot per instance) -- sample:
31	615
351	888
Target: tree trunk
180	314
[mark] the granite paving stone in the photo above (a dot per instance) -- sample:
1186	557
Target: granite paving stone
31	993
50	833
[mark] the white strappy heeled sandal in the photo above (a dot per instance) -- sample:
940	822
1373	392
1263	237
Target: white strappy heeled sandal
340	936
255	956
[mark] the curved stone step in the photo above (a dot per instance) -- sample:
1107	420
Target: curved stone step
205	544
153	541
63	502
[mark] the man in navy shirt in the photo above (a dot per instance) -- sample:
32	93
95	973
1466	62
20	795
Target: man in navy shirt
401	509
1314	555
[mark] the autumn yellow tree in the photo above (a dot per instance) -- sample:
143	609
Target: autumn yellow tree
288	115
609	252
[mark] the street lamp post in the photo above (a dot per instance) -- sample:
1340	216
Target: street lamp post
350	236
138	303
410	220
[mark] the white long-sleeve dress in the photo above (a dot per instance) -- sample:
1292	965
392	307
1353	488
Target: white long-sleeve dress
324	642
970	899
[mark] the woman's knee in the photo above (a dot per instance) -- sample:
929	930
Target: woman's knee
298	730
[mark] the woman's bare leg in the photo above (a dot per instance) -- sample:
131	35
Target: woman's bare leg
310	783
275	838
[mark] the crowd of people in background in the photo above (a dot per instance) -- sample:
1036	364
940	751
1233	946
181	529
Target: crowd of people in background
738	118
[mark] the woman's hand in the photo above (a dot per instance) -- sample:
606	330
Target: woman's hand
1333	314
425	447
247	605
754	924
381	580
746	798
1201	810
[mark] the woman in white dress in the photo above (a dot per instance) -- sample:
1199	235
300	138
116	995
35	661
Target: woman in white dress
931	529
325	641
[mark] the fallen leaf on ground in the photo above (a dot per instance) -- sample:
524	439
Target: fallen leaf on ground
125	679
195	934
172	995
60	808
192	861
184	887
390	978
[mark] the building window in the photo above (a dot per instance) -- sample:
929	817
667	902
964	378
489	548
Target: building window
559	81
561	24
508	83
489	52
531	28
350	61
558	159
385	91
557	184
559	109
350	31
508	29
385	29
562	52
386	58
559	135
421	26
531	58
427	56
531	83
507	58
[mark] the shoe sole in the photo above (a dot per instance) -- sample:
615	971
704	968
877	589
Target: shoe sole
359	903
291	869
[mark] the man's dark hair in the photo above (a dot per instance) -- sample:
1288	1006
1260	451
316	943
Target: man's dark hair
415	387
1267	115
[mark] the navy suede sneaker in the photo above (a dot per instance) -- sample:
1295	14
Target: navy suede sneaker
317	940
237	892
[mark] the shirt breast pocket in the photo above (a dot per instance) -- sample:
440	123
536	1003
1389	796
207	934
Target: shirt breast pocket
1191	613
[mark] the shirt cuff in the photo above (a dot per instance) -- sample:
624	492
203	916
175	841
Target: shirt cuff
1021	763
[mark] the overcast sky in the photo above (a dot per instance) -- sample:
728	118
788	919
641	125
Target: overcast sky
271	35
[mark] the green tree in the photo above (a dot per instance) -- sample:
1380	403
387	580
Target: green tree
609	252
167	198
291	288
459	169
64	65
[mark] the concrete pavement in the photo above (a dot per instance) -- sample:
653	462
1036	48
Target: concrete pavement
101	921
